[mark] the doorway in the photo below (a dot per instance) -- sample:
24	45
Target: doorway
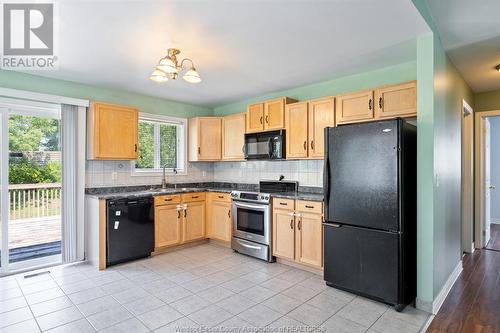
31	185
487	228
467	178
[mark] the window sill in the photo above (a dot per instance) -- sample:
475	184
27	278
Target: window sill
156	173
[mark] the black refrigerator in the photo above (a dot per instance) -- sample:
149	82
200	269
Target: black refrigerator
369	234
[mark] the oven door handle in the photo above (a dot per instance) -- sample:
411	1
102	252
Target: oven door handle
250	206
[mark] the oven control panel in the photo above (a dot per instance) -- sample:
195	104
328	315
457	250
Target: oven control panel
251	196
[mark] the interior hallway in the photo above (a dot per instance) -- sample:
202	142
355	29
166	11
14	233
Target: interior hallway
494	243
473	304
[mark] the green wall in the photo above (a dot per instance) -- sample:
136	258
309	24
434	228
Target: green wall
149	104
387	75
441	89
487	101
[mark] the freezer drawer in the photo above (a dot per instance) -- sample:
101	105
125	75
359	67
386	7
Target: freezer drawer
363	261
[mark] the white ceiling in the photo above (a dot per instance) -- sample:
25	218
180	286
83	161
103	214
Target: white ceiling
470	33
240	48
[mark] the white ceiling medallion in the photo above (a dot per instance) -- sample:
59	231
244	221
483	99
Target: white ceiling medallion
168	68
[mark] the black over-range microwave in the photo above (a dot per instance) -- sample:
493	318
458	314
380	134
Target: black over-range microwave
265	145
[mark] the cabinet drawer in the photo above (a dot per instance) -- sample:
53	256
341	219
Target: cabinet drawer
309	206
280	203
191	197
167	199
216	196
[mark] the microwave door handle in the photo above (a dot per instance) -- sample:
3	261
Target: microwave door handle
270	145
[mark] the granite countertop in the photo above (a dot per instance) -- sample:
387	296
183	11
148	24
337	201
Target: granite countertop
139	191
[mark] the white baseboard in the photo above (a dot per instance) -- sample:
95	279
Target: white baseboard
433	307
439	300
427	324
495	220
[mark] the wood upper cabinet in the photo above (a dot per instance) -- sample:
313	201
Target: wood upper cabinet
112	132
194	221
321	115
267	116
219	216
399	100
309	233
305	123
355	107
205	137
296	116
255	118
233	136
168	229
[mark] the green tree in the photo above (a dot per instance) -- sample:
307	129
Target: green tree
146	146
23	171
27	133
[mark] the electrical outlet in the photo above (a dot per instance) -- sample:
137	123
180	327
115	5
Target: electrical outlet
114	175
204	173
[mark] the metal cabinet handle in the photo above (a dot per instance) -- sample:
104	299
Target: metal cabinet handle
283	204
195	196
221	197
185	212
261	120
380	103
299	226
199	150
305	145
312	144
135	147
307	206
168	199
291	224
370	104
229	213
267	119
178	214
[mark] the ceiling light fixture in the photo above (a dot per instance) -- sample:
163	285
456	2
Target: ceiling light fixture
169	67
498	68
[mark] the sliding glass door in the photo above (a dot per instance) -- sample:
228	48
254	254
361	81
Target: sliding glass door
31	183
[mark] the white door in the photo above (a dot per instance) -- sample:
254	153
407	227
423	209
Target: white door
487	182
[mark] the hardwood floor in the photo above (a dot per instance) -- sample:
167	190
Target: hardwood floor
494	243
473	304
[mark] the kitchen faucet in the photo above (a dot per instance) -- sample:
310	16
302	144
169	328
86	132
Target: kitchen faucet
164	180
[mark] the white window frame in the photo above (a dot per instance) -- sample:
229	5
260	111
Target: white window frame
181	145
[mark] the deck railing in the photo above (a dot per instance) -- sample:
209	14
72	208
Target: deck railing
34	200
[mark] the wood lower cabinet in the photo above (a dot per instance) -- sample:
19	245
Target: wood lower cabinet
194	221
399	100
205	139
179	219
284	234
233	136
298	231
355	107
168	230
112	132
219	216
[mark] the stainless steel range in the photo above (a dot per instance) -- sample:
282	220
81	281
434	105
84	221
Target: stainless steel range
252	219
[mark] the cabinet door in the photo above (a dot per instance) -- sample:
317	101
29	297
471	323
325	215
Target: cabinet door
167	225
283	234
112	132
296	130
274	114
309	242
321	115
397	100
194	221
255	118
233	137
355	107
210	137
220	221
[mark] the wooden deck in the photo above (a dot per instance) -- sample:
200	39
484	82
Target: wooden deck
29	232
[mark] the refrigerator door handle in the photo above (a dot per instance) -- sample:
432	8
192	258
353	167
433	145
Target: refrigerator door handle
333	225
326	177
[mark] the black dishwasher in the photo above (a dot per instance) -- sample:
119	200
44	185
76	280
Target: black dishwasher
129	229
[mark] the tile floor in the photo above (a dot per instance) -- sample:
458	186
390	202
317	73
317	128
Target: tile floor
202	286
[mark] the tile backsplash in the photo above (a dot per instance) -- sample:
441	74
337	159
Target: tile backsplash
307	172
